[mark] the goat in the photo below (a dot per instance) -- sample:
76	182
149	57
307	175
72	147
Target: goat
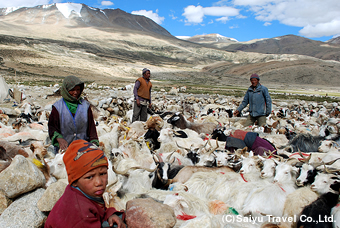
178	120
305	143
186	172
303	196
328	145
263	199
164	171
318	213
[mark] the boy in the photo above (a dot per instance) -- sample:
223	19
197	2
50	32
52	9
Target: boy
82	204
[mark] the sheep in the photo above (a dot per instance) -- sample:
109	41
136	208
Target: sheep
178	120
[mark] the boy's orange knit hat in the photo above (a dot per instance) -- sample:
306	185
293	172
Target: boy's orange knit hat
81	157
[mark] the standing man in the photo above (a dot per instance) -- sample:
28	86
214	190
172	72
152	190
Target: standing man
142	93
260	103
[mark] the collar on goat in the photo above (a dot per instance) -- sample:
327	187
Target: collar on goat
243	177
281	187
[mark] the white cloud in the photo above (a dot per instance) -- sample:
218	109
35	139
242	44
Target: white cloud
331	28
107	3
195	14
24	3
150	14
233	27
223	19
267	23
317	18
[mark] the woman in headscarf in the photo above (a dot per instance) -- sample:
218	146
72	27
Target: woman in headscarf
71	117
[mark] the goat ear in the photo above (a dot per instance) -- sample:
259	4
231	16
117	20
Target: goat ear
251	154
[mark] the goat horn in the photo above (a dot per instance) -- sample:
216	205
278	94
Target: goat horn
305	160
213	149
176	133
109	186
270	153
326	169
47	146
182	147
169	156
279	157
331	162
292	161
158	157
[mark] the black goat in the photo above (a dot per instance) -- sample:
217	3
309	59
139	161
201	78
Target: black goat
151	138
305	143
318	213
164	172
219	134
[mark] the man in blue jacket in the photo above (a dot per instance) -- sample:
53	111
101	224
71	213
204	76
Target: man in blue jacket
260	103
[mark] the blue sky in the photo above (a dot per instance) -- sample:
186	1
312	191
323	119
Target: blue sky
243	20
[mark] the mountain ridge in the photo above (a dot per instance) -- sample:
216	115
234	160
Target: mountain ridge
112	46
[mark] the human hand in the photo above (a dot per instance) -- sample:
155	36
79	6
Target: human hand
236	113
138	102
150	105
62	143
115	219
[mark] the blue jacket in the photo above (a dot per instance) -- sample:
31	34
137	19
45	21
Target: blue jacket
260	103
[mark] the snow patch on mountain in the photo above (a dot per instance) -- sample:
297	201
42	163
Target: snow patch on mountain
67	8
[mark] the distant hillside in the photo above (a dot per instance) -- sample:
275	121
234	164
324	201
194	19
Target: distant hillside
81	15
290	44
212	40
335	40
46	43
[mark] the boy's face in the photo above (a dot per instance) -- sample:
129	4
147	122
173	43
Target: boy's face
93	183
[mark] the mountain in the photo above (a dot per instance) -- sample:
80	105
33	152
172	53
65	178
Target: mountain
290	44
81	15
212	40
335	40
48	42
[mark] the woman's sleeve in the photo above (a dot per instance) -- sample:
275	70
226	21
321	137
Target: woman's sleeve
91	130
54	126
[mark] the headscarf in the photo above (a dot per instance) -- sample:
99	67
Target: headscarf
81	157
145	70
69	83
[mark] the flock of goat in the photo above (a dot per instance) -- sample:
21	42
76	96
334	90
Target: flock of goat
178	157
